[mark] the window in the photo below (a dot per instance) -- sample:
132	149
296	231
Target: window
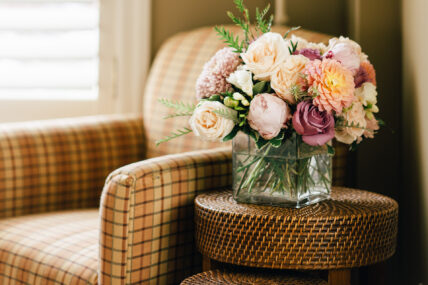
49	49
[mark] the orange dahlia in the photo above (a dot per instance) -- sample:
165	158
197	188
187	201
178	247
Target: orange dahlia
331	85
369	69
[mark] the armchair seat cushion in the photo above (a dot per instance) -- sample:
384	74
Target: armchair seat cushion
52	248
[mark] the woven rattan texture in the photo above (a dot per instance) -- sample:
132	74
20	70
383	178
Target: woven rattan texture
354	228
217	277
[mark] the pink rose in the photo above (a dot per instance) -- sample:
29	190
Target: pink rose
316	127
268	115
346	55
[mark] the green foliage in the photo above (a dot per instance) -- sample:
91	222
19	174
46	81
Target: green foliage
293	47
227	114
262	24
259	87
181	107
178	114
229	38
290	30
178	133
277	141
330	149
232	134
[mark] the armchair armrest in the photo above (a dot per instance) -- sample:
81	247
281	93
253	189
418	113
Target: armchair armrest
146	211
62	164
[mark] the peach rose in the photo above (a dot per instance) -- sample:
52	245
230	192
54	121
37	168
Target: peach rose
356	117
287	76
265	54
268	114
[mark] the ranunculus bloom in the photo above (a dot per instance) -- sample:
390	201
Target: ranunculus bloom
331	84
268	114
265	54
346	55
212	79
209	125
312	54
287	75
242	79
356	117
315	126
369	69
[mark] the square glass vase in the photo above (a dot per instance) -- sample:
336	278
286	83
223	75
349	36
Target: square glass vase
294	174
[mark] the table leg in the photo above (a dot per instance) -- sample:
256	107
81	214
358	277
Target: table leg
339	277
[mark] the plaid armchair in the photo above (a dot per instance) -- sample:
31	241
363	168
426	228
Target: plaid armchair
55	230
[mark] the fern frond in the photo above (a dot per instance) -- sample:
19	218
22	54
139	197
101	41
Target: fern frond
181	107
178	133
178	114
227	114
262	24
229	39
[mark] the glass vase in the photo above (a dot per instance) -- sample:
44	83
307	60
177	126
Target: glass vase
294	174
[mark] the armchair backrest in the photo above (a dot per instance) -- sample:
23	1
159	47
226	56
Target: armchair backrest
173	76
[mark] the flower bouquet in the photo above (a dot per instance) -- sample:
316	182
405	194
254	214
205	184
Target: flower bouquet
282	100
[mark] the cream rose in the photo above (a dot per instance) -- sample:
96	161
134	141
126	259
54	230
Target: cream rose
356	117
241	78
265	54
367	95
287	75
208	125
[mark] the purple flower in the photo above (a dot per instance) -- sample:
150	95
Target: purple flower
316	127
361	77
312	54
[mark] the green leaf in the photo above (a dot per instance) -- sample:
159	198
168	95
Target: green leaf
178	133
259	87
215	98
261	142
290	30
232	134
277	141
178	105
330	150
179	114
229	39
227	114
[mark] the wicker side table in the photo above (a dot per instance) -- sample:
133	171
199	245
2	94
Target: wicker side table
354	228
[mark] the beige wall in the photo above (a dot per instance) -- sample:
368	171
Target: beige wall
415	139
173	16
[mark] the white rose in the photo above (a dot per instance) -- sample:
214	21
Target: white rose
356	117
367	95
209	125
241	78
287	76
265	54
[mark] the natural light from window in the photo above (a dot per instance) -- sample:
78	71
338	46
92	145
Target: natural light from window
49	49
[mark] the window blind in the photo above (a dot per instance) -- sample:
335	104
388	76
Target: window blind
49	49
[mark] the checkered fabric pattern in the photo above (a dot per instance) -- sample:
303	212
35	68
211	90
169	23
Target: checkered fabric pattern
50	248
147	216
146	212
62	164
173	76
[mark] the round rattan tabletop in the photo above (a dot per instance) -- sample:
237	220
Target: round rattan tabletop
217	277
354	228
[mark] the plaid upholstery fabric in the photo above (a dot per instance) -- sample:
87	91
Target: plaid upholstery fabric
53	248
62	164
147	216
173	75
